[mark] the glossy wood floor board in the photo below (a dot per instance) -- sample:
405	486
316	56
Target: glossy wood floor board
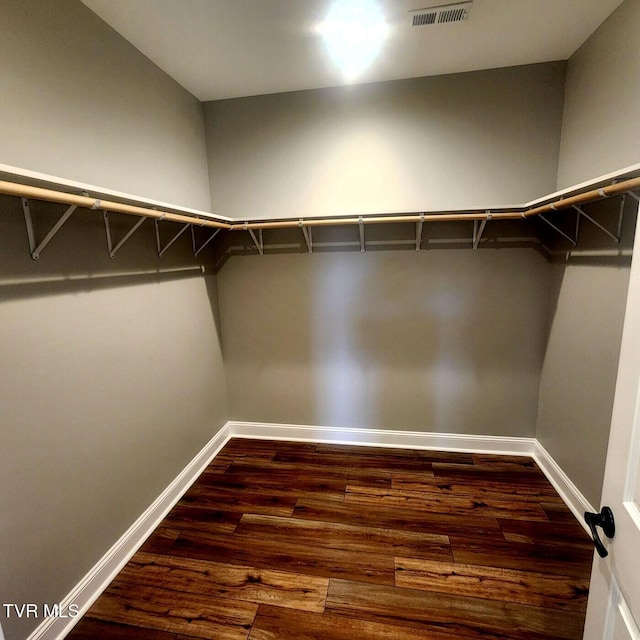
302	592
201	495
464	616
297	558
293	486
202	519
505	462
465	505
428	455
490	583
559	533
510	474
274	623
161	539
475	487
557	512
388	463
404	520
165	610
93	628
277	469
346	537
301	541
567	560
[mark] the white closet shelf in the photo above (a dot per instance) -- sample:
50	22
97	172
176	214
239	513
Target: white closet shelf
28	185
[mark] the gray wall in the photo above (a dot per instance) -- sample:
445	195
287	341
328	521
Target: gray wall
80	102
578	378
601	129
467	140
588	300
112	380
580	367
447	341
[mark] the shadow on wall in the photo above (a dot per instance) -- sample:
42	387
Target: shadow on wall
588	299
610	218
449	341
112	380
77	259
211	283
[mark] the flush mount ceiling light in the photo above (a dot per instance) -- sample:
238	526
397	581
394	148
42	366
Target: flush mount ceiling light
354	31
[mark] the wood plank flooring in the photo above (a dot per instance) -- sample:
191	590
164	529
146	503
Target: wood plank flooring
298	541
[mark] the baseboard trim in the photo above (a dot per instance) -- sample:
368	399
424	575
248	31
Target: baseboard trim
384	438
95	582
570	494
87	591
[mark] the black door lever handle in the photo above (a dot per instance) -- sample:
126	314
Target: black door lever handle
605	520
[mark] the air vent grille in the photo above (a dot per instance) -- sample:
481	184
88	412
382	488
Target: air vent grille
421	19
452	15
445	14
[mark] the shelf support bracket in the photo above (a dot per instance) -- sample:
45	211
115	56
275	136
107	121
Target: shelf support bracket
198	250
361	225
615	238
36	250
307	236
560	231
478	230
623	201
634	195
26	209
161	249
419	231
257	240
107	226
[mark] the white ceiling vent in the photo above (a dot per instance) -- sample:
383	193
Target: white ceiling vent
444	14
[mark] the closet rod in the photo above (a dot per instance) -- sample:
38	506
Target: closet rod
38	193
615	189
88	202
514	214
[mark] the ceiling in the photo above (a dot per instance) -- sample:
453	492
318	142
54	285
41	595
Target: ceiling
231	48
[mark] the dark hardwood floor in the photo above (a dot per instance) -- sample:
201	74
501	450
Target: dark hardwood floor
298	541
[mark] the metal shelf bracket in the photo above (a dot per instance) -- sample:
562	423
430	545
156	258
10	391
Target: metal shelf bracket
615	238
361	225
113	250
161	249
257	240
478	230
419	231
36	250
560	231
307	236
198	250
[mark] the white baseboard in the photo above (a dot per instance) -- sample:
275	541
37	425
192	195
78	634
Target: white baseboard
384	438
93	584
87	591
570	494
